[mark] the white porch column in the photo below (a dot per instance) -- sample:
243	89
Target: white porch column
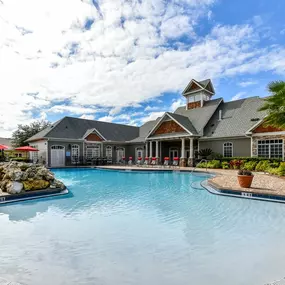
183	148
191	155
150	149
146	149
156	149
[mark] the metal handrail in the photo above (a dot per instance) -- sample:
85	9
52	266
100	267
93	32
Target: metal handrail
205	160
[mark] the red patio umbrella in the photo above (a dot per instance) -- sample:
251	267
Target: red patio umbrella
26	148
3	147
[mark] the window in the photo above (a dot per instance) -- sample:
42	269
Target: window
270	148
92	151
74	153
228	149
139	153
109	151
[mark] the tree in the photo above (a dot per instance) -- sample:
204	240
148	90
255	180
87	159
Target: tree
24	132
275	105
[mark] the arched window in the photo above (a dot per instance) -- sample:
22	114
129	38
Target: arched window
120	153
75	153
109	151
228	149
92	151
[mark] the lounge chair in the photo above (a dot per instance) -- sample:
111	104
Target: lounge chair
175	161
146	161
139	161
166	161
130	162
153	161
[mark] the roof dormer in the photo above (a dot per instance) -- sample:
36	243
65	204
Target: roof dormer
197	92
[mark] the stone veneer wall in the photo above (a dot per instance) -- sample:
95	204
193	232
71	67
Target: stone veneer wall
255	139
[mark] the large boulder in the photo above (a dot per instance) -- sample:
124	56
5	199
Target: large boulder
35	184
14	187
57	184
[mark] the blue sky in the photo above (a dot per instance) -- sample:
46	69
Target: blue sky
128	61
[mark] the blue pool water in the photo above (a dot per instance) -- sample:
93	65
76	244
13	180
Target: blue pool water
141	228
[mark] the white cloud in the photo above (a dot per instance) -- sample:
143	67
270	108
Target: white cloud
72	109
247	83
124	59
106	119
152	108
151	116
238	96
87	117
177	103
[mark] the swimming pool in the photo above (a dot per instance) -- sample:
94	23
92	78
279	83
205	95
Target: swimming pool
141	228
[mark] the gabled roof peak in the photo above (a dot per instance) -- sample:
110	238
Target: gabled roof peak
195	86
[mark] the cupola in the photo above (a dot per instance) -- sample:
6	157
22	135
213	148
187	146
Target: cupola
198	92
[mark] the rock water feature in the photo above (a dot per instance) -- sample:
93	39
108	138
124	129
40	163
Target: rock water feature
18	177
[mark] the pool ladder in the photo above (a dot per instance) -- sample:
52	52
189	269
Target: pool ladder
192	172
202	160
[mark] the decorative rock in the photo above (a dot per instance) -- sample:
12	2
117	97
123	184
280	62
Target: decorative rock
36	184
14	187
19	176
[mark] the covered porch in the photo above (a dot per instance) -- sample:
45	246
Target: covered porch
183	148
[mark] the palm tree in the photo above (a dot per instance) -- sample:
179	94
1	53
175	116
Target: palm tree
275	105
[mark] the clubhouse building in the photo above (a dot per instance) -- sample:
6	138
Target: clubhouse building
232	129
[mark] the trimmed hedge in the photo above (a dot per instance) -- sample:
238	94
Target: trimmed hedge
272	166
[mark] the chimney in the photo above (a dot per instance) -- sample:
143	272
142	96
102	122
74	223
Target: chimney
220	115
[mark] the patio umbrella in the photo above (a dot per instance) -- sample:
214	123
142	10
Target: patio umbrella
26	148
3	147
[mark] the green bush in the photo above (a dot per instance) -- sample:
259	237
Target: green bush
24	159
250	165
202	165
280	171
214	164
225	165
262	165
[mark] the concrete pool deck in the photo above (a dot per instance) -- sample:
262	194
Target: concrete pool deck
224	179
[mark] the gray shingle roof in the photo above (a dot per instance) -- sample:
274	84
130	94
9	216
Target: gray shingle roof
183	121
237	118
75	128
199	117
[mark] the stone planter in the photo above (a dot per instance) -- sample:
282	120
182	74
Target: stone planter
245	180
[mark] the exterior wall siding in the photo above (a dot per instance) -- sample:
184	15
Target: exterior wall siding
194	105
94	137
241	147
169	127
41	145
67	146
266	129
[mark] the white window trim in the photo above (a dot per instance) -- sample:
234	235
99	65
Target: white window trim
109	147
227	146
142	150
124	152
269	147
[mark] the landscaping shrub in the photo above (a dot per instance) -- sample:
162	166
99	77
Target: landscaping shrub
23	159
236	164
280	171
225	165
202	165
250	165
262	165
214	164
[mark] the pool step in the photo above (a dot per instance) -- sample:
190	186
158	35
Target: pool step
5	282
